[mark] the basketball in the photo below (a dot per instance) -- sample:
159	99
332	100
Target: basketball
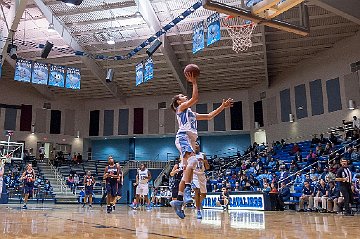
192	68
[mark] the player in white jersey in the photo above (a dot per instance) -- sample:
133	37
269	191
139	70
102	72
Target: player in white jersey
186	138
199	179
142	181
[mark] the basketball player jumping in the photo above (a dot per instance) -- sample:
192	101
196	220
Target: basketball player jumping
142	181
199	179
186	138
89	183
111	175
29	178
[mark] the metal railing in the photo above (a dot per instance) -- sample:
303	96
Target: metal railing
355	142
166	170
59	179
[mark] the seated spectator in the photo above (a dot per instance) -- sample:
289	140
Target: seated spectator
295	149
165	180
284	175
321	195
323	140
328	149
272	163
324	174
315	140
298	157
306	197
224	198
310	158
299	178
347	154
70	183
333	139
284	192
79	158
313	173
355	155
266	188
319	150
82	196
76	180
48	188
307	178
333	197
355	192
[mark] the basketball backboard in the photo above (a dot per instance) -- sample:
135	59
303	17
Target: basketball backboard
264	12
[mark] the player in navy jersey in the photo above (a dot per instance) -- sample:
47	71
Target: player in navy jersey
89	183
111	176
187	136
119	183
29	178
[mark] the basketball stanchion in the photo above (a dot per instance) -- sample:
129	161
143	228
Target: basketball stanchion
240	31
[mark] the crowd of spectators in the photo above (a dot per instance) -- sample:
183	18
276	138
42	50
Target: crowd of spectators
274	169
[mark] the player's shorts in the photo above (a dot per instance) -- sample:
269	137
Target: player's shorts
89	190
142	189
185	142
111	188
199	181
28	188
119	190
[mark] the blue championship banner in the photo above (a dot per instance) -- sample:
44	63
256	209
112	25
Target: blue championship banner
23	70
139	69
73	78
149	69
57	76
40	73
239	201
198	37
213	29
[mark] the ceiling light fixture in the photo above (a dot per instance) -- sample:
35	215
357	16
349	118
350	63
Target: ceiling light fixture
71	3
110	41
51	28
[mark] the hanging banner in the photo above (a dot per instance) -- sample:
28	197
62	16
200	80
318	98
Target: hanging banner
213	29
40	73
139	73
23	70
57	76
149	69
198	37
73	78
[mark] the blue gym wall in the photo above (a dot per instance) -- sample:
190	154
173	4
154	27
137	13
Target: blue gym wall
225	144
118	148
149	148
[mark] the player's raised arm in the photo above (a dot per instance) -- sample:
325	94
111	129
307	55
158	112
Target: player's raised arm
195	94
225	104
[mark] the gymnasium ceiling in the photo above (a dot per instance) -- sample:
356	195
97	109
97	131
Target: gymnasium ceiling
90	25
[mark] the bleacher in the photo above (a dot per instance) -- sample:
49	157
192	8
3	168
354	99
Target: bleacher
224	168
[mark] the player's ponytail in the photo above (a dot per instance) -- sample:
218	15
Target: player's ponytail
174	103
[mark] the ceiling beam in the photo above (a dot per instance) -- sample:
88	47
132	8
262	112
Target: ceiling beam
348	9
98	71
149	15
13	18
263	40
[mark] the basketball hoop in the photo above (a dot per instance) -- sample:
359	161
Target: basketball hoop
240	31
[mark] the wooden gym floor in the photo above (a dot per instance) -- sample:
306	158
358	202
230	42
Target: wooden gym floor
72	221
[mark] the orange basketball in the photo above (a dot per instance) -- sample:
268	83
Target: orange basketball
192	68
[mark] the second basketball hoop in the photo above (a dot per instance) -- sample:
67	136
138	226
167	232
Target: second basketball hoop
240	31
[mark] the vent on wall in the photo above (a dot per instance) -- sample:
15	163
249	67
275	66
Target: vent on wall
162	105
262	95
355	66
47	106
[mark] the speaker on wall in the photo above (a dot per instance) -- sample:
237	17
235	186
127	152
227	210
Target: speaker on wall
46	50
153	48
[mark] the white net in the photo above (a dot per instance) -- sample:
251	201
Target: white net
240	31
